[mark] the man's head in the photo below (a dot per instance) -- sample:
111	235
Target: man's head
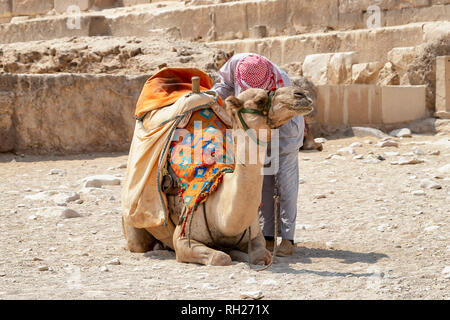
255	71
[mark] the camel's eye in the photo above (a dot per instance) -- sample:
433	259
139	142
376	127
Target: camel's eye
299	94
260	102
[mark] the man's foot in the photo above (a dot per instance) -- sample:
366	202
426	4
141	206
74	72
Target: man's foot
286	248
269	245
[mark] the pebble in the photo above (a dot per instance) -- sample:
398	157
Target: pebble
69	214
405	161
446	272
59	172
368	141
391	154
209	286
434	153
32	217
429	184
337	157
356	145
270	282
99	181
114	262
301	181
387	143
320	196
104	269
401	133
418	193
231	276
2	274
417	151
320	140
346	150
367	132
250	281
255	295
445	169
43	268
431	228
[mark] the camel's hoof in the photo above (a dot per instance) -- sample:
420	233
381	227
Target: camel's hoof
319	147
220	259
266	258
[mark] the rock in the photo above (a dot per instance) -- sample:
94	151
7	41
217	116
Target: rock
368	141
269	282
209	286
320	140
367	132
337	157
401	59
70	213
366	73
434	153
32	217
418	193
320	196
100	181
387	143
446	272
383	227
59	172
255	295
329	68
114	262
391	153
429	184
104	269
417	151
250	281
405	161
346	150
43	268
431	228
358	157
301	181
388	76
401	133
356	145
445	169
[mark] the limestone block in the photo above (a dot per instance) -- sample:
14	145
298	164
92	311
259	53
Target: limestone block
31	7
388	76
67	107
366	73
403	103
443	86
329	68
6	123
5	8
401	58
62	5
103	4
340	67
315	67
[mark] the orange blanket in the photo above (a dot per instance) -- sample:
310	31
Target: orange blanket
167	86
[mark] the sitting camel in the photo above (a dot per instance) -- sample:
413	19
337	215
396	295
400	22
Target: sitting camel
230	214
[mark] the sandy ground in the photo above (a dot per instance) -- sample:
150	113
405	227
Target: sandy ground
361	233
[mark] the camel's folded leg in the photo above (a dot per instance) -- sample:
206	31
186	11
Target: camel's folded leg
138	240
198	252
259	252
164	233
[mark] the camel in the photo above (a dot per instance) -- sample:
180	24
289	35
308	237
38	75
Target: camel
222	227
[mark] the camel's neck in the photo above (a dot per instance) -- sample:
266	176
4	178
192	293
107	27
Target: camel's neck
242	189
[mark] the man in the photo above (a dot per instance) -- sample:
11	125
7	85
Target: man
248	70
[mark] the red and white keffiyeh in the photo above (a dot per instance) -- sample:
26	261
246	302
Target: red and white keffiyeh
255	71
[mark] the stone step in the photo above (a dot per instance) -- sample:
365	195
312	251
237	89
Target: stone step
370	44
213	21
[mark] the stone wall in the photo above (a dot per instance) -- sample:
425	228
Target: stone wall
67	113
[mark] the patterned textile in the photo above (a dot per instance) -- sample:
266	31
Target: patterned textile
200	156
255	71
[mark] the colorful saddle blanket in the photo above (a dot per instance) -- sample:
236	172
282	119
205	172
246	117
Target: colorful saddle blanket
199	155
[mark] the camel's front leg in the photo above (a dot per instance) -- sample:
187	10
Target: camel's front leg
259	252
198	252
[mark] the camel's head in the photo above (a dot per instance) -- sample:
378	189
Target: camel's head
288	102
260	109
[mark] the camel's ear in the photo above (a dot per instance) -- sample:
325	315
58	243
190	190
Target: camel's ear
230	54
233	104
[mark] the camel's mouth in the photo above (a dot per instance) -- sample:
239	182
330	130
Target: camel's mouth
302	109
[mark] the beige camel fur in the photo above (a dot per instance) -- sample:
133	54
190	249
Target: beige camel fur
233	207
